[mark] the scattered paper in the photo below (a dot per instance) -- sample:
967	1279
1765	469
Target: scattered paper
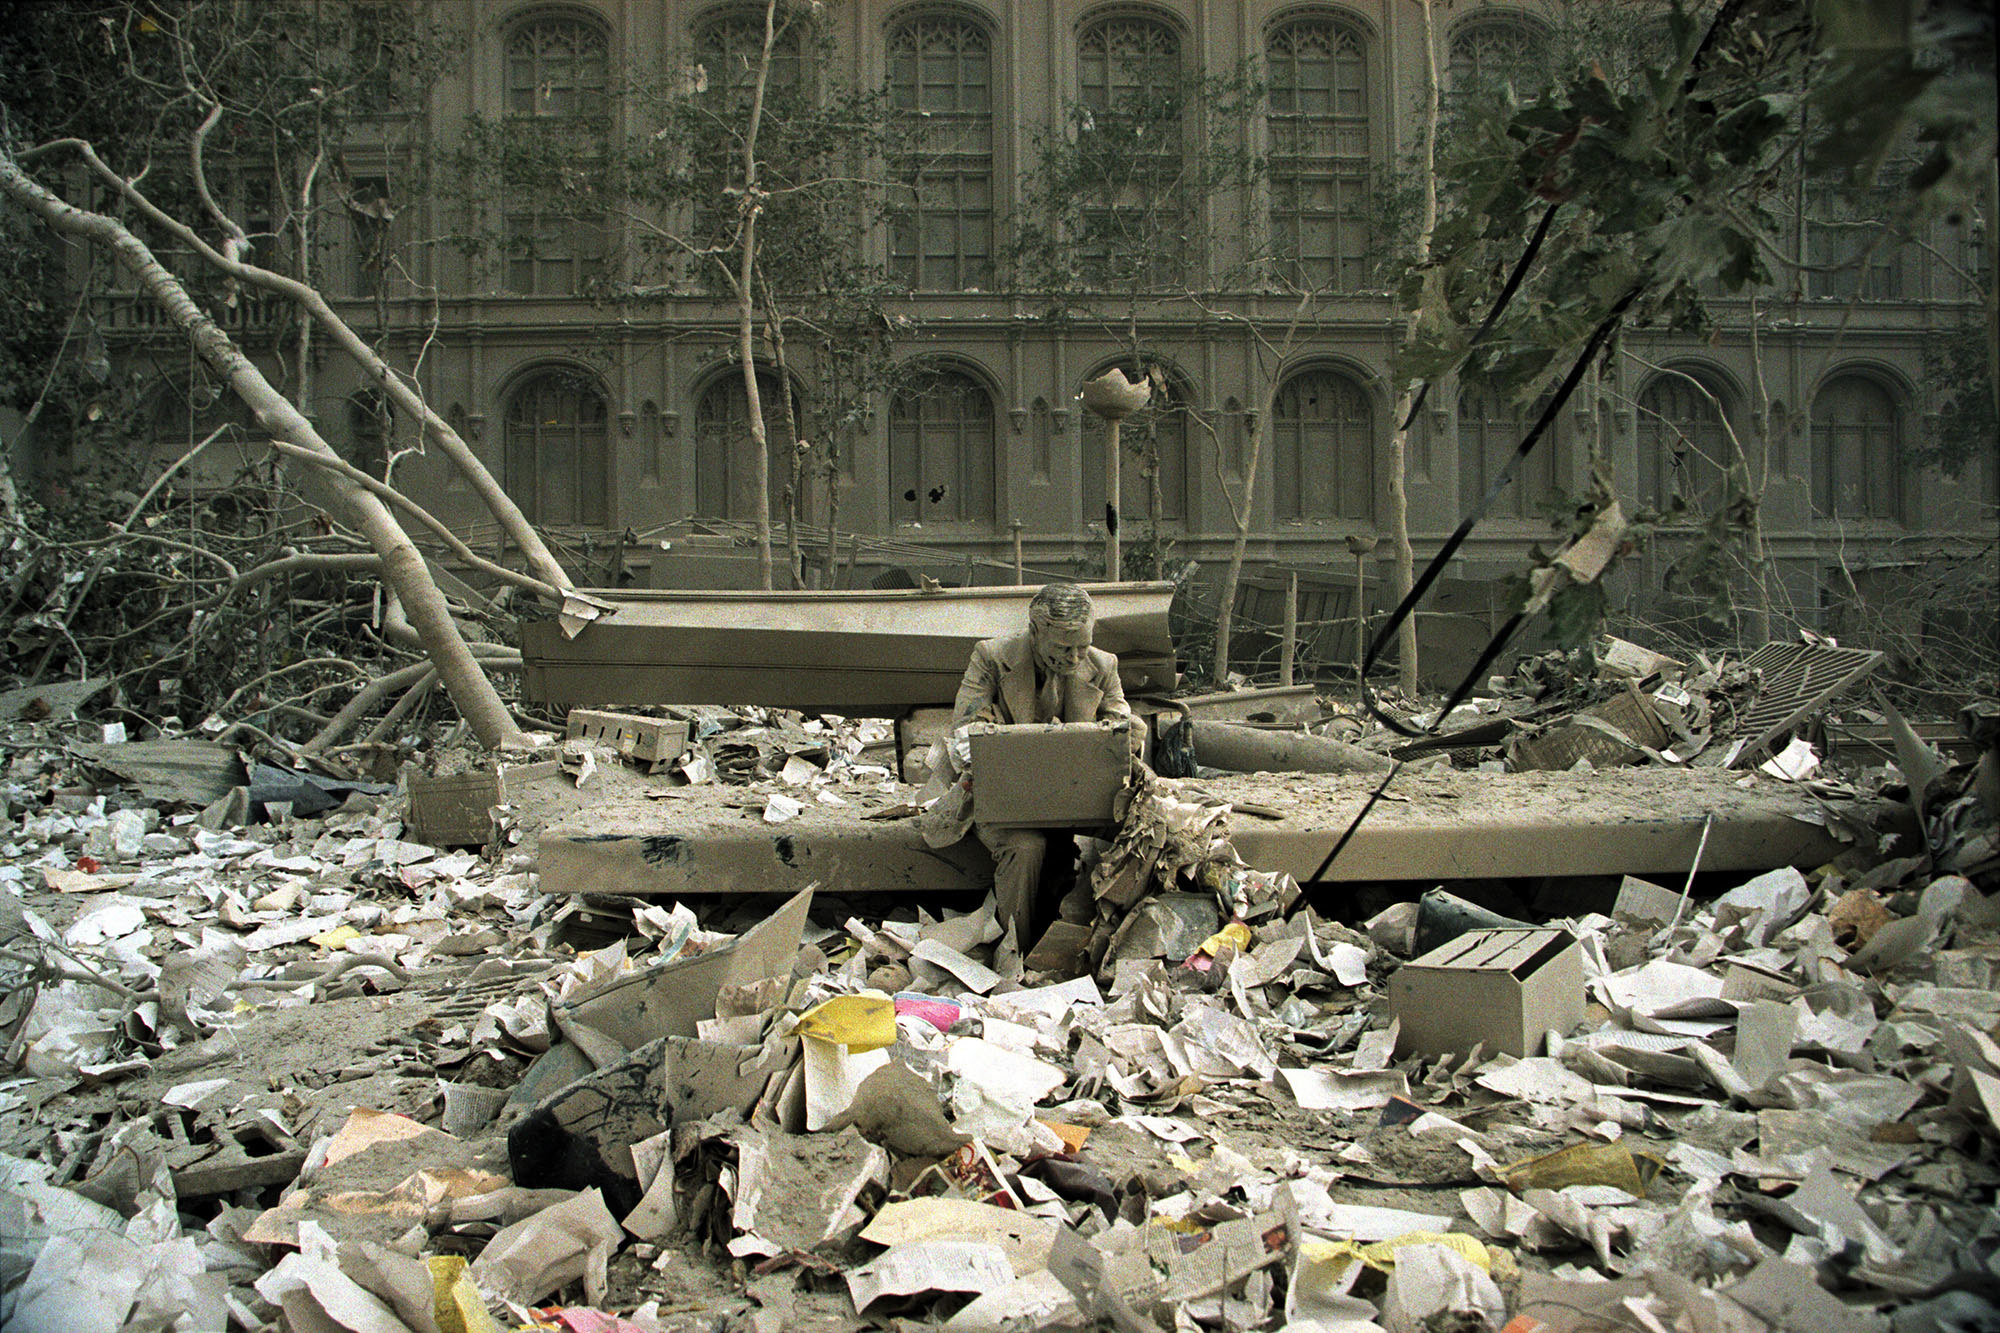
1323	1089
928	1265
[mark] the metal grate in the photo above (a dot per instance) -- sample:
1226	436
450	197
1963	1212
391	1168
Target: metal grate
1797	679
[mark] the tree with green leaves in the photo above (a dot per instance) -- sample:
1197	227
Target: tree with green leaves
1599	203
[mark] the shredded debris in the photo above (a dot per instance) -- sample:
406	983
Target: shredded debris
278	1062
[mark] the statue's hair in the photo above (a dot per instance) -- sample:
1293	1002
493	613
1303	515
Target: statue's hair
1060	604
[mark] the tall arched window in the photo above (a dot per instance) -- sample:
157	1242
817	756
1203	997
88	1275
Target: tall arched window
725	467
1319	151
941	450
1136	223
941	79
557	457
1684	444
728	50
730	46
1153	463
556	75
1852	252
1857	435
1495	50
1323	438
1489	430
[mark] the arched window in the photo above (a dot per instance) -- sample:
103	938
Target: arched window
1131	143
941	80
557	457
725	481
1852	253
556	75
1857	436
728	49
1684	442
1486	52
1489	430
1323	438
557	68
730	46
1319	151
941	450
1152	469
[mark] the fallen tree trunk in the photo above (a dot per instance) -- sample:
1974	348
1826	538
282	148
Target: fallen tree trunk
513	523
403	567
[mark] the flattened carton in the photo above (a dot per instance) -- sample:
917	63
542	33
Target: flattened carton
1506	988
1049	775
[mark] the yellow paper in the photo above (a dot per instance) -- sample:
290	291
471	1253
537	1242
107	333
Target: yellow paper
864	1022
1585	1164
1073	1136
457	1306
336	938
1381	1255
1236	935
367	1127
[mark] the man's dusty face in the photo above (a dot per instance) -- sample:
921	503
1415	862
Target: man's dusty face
1059	648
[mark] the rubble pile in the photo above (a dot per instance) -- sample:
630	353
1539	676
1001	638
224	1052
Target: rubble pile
313	1073
1621	704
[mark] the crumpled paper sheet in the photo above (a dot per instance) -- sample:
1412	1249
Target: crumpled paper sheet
1433	1279
542	1254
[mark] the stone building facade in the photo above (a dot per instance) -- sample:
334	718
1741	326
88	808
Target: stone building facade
614	426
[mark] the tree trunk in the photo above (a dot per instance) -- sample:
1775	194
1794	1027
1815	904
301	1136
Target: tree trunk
1246	749
1405	563
402	566
746	306
1232	573
795	481
832	579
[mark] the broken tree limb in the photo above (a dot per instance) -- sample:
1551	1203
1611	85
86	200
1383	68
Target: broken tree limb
363	703
402	565
303	562
396	628
1242	749
97	566
390	495
540	561
401	708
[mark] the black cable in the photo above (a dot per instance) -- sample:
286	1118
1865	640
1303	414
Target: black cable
1498	643
1512	286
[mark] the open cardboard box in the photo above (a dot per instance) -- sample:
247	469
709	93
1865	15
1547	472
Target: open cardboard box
1505	988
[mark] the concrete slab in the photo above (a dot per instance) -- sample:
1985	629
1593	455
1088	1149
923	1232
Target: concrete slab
695	843
1446	824
1435	824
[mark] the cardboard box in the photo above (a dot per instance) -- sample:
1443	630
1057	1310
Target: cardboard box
1505	988
454	811
647	740
457	811
1049	775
